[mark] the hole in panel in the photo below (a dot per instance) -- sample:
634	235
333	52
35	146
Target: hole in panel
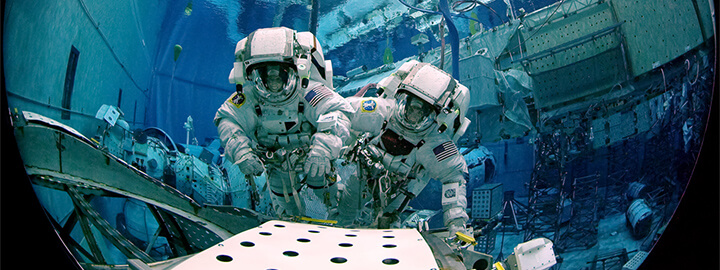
350	235
279	225
390	261
303	240
265	233
313	231
338	260
224	258
247	244
480	264
345	245
290	253
389	246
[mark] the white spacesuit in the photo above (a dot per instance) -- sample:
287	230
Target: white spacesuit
406	137
284	117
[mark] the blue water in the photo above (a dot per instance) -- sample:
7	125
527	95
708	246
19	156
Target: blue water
196	83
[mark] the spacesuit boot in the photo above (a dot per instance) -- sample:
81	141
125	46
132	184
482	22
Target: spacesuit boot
287	209
349	198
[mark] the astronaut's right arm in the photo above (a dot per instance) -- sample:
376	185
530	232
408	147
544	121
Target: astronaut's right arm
235	127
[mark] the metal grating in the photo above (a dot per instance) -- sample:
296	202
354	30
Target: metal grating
579	79
635	261
551	35
582	231
546	187
286	245
487	201
657	31
486	243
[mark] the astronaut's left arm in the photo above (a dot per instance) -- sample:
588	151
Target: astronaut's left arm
443	162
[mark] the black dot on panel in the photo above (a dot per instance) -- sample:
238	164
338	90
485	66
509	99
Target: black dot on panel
224	258
247	244
390	261
291	253
338	260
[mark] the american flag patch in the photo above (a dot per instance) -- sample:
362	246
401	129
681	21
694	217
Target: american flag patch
445	150
316	95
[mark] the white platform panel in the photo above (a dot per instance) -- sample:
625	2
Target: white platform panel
285	245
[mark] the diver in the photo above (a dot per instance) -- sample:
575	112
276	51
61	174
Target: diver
284	119
404	138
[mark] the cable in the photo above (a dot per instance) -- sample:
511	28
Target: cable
436	12
541	26
688	71
473	4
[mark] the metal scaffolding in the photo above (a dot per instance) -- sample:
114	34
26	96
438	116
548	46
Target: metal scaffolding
546	187
582	230
623	167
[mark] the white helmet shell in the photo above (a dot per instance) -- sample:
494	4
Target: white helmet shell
281	44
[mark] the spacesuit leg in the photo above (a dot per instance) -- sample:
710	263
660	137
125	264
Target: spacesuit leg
328	196
284	193
349	196
326	190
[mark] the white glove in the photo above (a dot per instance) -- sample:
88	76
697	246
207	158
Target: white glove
456	225
251	165
316	165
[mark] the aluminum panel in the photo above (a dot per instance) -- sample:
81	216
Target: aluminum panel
622	125
705	9
287	245
478	76
580	79
599	132
589	20
657	31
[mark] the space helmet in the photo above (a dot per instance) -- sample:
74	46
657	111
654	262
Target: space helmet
425	95
278	60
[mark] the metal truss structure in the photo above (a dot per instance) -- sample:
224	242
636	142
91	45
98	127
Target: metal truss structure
546	187
582	229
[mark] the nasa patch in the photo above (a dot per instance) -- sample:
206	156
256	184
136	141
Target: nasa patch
450	193
238	99
368	106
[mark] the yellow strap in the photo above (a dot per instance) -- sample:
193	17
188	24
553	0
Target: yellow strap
499	266
95	141
328	221
466	238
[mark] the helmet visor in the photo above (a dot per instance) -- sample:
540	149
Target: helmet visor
273	77
274	81
414	112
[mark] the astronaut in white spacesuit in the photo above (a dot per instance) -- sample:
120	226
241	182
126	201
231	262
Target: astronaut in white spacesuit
284	118
405	137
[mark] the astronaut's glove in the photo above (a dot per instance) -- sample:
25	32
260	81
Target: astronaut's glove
456	225
316	165
251	165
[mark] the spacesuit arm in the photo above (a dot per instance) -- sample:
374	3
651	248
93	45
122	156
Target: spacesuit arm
233	129
332	134
369	114
331	118
443	162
